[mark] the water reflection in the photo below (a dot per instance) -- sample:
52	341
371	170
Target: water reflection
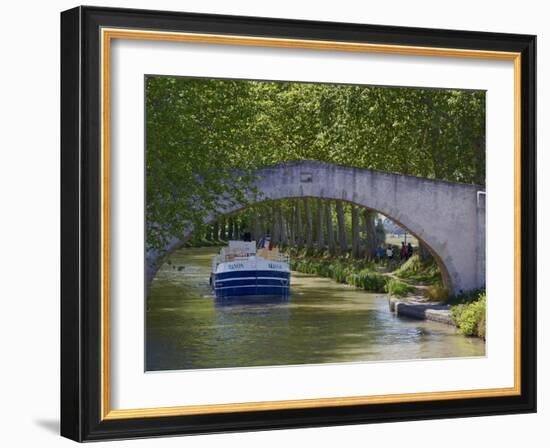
250	300
322	321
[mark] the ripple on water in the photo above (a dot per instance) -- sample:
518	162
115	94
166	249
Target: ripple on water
323	322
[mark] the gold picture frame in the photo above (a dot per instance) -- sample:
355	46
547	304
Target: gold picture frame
108	29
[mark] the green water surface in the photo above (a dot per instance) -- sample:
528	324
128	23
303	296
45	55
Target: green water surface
322	322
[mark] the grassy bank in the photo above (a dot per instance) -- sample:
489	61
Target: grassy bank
418	271
203	242
423	273
398	288
390	276
359	273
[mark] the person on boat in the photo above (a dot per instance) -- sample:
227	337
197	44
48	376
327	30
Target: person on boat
266	243
261	243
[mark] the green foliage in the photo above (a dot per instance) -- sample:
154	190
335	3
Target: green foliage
196	136
368	280
336	269
199	131
202	243
397	288
418	271
470	317
437	293
342	270
465	297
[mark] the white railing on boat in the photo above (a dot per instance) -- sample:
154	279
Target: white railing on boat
231	254
273	255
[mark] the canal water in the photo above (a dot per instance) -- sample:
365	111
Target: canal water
322	322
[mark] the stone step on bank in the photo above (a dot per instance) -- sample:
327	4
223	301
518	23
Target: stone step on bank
420	308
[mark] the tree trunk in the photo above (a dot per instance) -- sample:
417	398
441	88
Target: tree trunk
355	232
299	230
330	230
284	233
222	230
236	229
292	226
230	229
343	241
216	230
309	225
269	227
256	226
370	230
276	235
320	226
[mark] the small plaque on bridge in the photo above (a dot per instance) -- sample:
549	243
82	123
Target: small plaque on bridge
306	177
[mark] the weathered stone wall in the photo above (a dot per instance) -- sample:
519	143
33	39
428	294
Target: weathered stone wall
448	217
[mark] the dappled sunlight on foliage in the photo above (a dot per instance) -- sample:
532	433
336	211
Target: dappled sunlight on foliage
471	317
420	271
199	131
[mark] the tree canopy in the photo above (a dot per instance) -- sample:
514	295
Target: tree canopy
200	131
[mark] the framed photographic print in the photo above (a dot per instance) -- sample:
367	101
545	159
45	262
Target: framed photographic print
273	223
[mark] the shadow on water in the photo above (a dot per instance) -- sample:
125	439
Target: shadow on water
250	300
321	322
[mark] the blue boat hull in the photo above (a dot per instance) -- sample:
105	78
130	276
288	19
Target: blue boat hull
251	283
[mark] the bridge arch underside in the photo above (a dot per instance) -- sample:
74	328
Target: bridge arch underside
446	217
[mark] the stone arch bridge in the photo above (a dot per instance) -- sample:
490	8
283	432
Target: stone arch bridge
449	218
